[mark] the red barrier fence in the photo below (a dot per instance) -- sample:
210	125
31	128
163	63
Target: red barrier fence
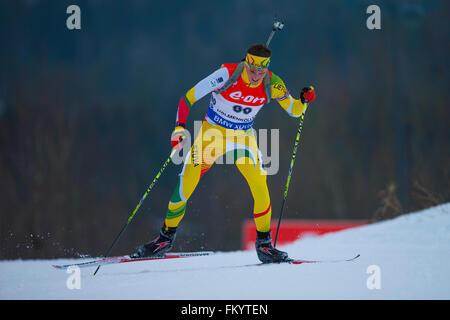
292	230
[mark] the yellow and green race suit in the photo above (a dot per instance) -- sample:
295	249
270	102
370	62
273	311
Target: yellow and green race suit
227	131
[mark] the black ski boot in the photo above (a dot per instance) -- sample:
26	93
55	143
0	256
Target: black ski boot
159	246
266	252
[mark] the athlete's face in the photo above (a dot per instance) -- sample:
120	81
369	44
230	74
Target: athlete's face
254	75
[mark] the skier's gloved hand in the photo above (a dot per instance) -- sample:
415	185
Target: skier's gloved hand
308	95
178	136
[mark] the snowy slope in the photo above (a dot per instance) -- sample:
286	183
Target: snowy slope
411	252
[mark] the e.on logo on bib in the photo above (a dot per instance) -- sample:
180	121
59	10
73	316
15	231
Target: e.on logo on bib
237	95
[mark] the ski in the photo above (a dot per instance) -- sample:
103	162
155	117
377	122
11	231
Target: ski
127	258
298	261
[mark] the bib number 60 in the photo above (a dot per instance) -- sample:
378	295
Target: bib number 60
238	108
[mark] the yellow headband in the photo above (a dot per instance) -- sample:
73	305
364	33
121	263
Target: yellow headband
257	62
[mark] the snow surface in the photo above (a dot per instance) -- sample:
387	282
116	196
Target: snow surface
412	253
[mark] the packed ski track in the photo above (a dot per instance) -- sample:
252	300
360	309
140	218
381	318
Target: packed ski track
407	257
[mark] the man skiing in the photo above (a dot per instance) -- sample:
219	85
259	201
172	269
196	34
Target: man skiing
238	92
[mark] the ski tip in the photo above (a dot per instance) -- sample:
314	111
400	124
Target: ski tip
59	267
63	267
354	258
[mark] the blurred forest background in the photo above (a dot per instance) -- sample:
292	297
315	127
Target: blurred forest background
86	116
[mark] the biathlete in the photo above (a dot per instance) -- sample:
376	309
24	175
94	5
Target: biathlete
238	92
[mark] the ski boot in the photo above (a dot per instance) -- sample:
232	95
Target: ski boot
266	252
159	246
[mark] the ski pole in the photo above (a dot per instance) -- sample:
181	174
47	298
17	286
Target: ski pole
138	206
291	167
